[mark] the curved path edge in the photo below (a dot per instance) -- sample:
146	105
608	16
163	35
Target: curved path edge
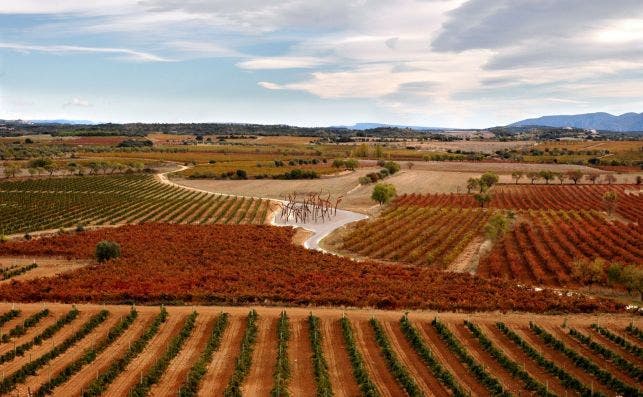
319	230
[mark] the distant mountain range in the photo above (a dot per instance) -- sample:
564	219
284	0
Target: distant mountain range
62	121
627	122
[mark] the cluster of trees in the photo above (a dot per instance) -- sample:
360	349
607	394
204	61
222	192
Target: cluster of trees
482	184
599	272
575	176
347	164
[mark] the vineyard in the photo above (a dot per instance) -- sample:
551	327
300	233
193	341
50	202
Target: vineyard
45	204
232	351
543	245
417	235
248	264
550	229
542	197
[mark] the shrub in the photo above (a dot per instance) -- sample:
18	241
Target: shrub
392	167
241	174
106	250
383	193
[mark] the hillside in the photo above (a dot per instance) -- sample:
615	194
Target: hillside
626	122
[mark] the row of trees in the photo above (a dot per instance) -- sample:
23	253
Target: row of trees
616	275
575	176
44	166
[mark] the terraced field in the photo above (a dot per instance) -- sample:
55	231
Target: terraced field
44	204
93	350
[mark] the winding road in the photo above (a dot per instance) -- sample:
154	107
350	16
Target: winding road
319	230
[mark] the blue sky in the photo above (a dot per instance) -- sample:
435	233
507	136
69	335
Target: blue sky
456	63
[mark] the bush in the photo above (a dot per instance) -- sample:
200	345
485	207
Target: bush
383	193
392	167
241	174
106	250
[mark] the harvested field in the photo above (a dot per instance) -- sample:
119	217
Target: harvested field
334	350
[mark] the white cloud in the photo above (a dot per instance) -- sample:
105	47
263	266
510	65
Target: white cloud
77	102
123	53
281	63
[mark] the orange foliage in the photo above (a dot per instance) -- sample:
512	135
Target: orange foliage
246	264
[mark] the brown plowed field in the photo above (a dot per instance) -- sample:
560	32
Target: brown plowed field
472	345
519	357
374	361
302	382
72	354
223	362
139	366
616	348
450	361
572	343
339	365
561	360
412	361
81	380
180	366
38	350
264	358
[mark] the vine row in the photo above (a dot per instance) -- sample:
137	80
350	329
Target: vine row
191	386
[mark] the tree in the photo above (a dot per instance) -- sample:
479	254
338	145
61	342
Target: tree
392	167
241	174
517	175
496	226
561	176
614	272
588	272
410	165
534	176
482	198
610	178
610	199
383	193
338	163
472	183
40	163
379	152
575	175
350	164
639	180
489	179
632	279
11	169
72	167
106	250
546	175
593	177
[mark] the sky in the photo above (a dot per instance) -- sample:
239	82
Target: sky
437	63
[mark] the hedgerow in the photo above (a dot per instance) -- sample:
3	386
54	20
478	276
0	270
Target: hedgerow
244	361
322	379
584	363
282	369
510	365
158	369
100	384
424	352
7	274
364	381
88	356
191	385
398	370
31	368
477	370
567	380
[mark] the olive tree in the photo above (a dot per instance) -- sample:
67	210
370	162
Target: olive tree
383	193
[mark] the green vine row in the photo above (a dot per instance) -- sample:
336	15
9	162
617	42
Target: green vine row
322	379
244	361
